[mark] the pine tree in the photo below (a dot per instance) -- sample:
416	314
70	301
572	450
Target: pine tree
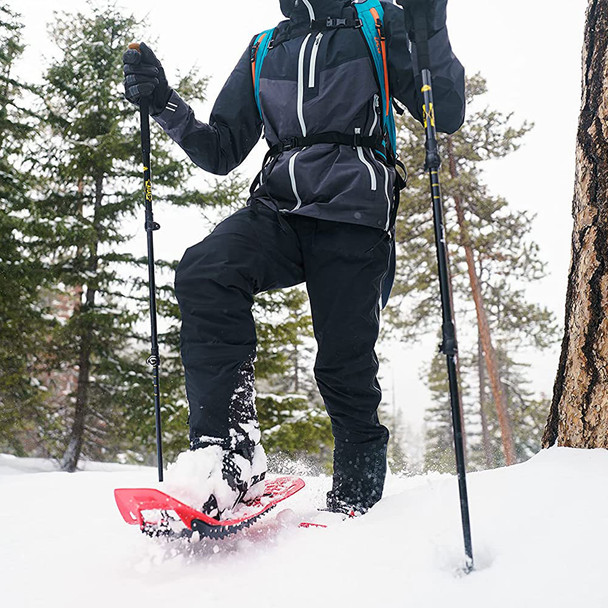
439	438
284	329
491	256
91	191
22	274
398	448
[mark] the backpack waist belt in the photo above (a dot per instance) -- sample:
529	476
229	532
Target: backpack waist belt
355	140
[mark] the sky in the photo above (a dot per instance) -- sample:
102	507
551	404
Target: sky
528	50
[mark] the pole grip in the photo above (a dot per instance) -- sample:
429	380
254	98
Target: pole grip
144	122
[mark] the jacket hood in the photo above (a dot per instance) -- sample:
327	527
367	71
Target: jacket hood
287	7
316	9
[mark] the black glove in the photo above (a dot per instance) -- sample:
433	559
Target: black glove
433	12
145	77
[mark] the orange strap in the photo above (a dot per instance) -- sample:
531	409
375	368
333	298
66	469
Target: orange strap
382	40
255	54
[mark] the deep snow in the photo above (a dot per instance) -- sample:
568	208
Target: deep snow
540	535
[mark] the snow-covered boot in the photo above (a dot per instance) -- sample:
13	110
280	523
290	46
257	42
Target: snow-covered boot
217	476
359	474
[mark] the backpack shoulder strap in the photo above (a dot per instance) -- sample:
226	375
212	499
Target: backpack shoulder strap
259	50
371	14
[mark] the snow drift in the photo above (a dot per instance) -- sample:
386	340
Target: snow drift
540	532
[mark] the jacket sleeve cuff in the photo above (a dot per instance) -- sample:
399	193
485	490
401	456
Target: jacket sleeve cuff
174	116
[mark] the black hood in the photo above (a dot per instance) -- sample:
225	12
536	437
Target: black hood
321	8
287	7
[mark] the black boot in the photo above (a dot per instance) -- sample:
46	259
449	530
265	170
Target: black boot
359	474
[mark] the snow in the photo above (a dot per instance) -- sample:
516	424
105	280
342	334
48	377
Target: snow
540	532
195	475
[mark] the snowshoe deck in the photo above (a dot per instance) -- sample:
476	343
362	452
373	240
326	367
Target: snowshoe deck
159	514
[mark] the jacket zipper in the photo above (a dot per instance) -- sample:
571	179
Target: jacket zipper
313	61
364	160
300	101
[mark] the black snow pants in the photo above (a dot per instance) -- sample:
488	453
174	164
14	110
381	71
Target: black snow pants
343	265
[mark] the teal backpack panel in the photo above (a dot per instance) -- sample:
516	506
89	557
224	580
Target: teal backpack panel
371	14
258	54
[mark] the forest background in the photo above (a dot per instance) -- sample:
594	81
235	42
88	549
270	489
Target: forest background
534	73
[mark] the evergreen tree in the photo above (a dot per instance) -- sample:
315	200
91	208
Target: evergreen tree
21	274
491	257
398	449
92	189
439	438
91	362
284	330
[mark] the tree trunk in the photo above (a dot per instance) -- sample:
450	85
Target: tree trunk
489	353
485	432
69	462
71	456
579	410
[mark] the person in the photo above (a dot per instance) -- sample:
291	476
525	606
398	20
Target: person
319	213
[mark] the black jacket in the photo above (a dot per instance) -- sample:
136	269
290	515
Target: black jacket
316	82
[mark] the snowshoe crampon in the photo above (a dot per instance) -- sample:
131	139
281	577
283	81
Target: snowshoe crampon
158	514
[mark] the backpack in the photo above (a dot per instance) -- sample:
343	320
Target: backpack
371	22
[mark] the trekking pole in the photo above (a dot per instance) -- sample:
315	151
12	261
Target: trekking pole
449	347
151	226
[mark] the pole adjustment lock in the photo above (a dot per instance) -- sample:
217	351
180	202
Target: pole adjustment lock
432	161
449	344
449	347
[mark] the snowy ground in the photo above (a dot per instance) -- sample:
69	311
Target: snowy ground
540	534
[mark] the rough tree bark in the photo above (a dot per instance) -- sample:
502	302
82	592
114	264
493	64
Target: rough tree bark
579	410
500	399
